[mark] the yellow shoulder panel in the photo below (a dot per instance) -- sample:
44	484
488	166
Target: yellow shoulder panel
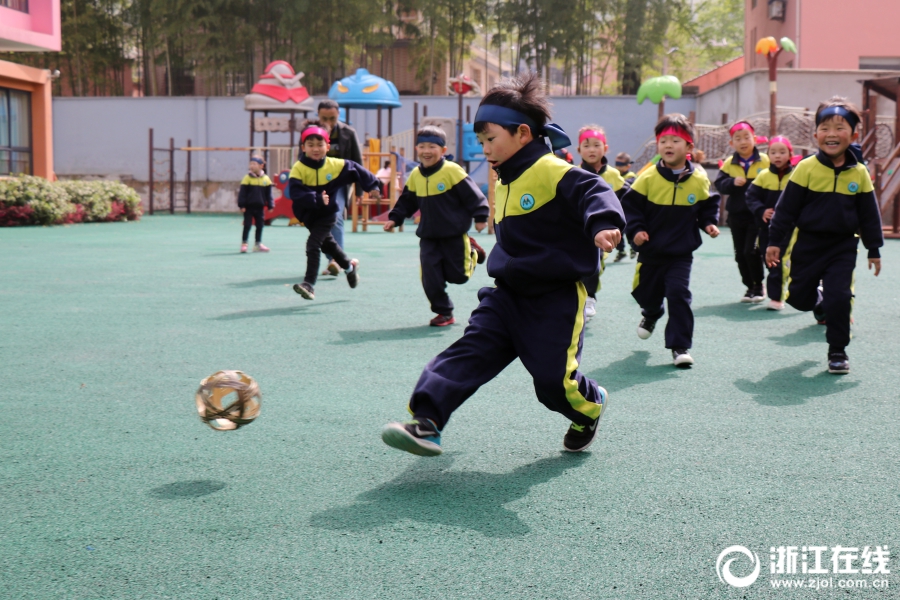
532	190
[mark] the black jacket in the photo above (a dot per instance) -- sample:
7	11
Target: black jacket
728	172
309	178
344	143
255	192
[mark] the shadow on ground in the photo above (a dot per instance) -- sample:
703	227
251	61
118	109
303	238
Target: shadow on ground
736	311
187	489
301	309
789	387
429	492
632	370
812	334
362	336
264	282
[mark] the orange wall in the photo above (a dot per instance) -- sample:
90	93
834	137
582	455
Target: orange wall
36	81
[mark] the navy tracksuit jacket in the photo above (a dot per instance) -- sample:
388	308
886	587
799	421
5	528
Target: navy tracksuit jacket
619	185
547	213
672	209
762	194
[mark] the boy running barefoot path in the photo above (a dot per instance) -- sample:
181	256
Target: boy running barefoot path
551	218
448	200
827	206
313	180
666	208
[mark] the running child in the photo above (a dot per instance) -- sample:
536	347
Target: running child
254	196
313	180
665	209
550	219
827	206
735	174
761	197
448	200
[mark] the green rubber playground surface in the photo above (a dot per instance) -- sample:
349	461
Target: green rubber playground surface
111	487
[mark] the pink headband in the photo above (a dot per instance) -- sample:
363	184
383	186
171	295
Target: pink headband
780	139
741	125
676	132
314	131
591	133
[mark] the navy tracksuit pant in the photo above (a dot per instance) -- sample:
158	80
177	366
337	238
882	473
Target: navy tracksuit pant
669	281
744	234
775	279
251	214
545	332
592	283
321	240
445	260
812	258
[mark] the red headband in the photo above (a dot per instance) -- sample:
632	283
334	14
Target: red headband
591	133
676	131
780	139
741	125
314	130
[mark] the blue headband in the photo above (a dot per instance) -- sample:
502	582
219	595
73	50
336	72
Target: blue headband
508	117
430	139
838	111
257	160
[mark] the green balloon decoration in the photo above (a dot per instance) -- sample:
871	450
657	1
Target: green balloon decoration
789	45
657	88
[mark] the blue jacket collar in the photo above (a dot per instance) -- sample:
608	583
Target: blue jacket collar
668	175
429	171
519	162
736	157
313	164
849	160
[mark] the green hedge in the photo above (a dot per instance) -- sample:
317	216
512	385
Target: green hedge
27	200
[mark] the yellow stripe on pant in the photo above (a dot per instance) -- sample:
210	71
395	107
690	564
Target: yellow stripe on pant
470	258
637	277
573	394
786	267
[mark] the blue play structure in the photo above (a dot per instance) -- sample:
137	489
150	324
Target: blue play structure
364	90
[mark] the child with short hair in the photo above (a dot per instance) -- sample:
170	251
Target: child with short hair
254	196
736	172
448	200
762	195
550	219
313	179
827	206
623	166
665	209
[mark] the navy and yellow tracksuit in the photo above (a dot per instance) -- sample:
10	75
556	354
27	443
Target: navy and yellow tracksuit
672	208
762	195
448	200
821	216
619	185
308	179
743	225
547	213
254	196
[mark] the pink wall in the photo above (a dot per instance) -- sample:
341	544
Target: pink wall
35	31
863	28
718	76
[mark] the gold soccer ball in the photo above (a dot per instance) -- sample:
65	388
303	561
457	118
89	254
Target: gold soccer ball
215	390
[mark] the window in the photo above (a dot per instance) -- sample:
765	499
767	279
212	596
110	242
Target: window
880	63
752	4
15	132
21	5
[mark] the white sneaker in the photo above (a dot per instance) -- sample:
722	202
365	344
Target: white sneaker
590	309
775	305
681	357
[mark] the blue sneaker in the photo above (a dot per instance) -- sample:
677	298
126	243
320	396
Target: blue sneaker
419	436
579	437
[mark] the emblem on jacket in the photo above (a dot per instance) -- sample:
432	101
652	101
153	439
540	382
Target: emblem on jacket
441	187
328	177
692	198
527	202
853	187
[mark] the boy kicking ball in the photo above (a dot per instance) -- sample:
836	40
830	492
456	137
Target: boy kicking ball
550	220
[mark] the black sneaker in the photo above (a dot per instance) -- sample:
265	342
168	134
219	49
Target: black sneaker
645	327
418	436
838	363
757	295
681	357
305	290
619	256
632	253
579	437
479	251
748	296
353	274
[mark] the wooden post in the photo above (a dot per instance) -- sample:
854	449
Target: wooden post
468	114
425	110
459	132
292	125
390	122
415	127
252	131
172	176
187	179
150	178
379	124
266	141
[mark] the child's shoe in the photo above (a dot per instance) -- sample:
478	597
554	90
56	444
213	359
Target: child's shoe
579	437
819	308
838	363
757	295
619	256
305	290
681	357
590	309
775	305
244	248
748	296
645	327
442	321
632	253
260	248
353	273
419	436
482	255
332	268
